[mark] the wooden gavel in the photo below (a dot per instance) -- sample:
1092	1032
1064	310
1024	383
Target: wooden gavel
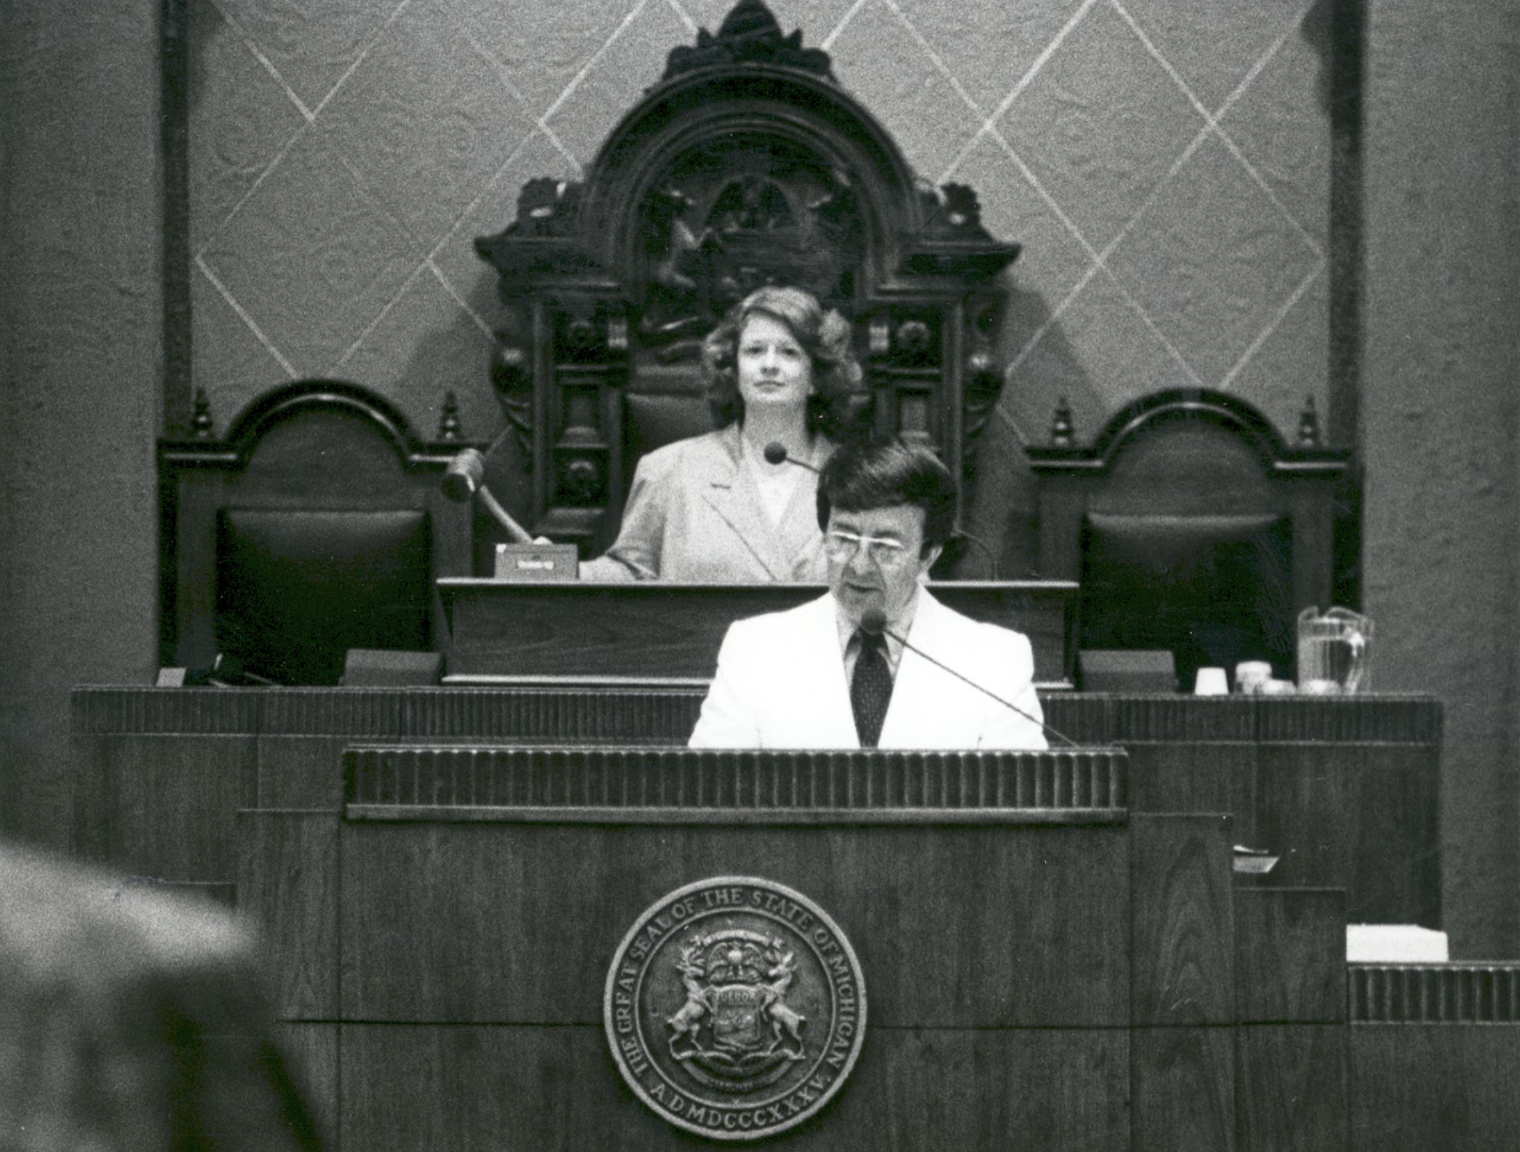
466	477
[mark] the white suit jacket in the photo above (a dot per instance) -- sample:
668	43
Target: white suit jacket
781	684
694	515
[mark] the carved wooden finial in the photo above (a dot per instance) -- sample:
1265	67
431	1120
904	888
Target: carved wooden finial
201	426
1308	425
749	33
1061	426
448	425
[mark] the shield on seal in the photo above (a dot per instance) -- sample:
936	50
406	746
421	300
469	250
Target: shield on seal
739	1024
737	1016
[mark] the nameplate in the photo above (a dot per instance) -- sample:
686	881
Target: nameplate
521	563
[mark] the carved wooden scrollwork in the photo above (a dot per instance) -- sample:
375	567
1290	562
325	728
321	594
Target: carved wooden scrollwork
737	214
746	165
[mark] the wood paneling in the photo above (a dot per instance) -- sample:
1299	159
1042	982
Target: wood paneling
1015	1089
963	927
466	961
920	1090
1391	800
1182	1089
1290	954
1196	777
1303	817
161	805
1359	816
1464	993
288	885
297	771
311	1059
1183	942
1291	1088
1346	790
680	785
1418	1087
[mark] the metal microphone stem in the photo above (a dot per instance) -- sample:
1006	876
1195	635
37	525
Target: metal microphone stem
985	691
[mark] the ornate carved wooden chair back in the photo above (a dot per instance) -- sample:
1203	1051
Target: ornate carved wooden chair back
1192	529
317	526
746	165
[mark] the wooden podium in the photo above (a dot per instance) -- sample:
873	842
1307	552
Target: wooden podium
1043	968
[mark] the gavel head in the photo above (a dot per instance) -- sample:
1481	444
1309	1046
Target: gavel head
466	473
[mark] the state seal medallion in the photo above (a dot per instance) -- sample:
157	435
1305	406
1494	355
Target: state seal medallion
735	1008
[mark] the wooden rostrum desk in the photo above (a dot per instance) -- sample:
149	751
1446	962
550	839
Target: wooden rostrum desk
1346	791
1050	975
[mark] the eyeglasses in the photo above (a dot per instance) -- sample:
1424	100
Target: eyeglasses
842	546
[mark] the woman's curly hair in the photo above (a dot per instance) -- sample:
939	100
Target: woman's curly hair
839	404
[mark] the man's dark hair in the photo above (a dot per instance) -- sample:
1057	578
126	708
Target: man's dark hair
885	473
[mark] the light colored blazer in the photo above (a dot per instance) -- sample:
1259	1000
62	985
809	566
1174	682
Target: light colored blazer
694	515
781	684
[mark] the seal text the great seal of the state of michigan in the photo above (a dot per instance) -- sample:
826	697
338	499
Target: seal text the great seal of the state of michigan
735	1007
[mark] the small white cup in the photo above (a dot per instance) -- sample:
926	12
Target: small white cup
1211	682
1250	675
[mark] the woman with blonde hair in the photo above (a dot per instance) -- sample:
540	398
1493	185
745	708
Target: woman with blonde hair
720	509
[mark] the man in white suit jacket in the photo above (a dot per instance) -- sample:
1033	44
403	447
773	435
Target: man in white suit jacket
789	679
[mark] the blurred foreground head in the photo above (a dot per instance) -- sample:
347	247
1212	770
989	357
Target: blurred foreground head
132	1020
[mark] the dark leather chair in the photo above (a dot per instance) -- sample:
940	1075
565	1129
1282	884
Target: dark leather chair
660	408
1193	528
316	526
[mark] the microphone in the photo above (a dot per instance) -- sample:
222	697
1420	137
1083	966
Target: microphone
466	477
873	622
776	453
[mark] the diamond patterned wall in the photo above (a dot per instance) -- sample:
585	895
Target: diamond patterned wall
1164	162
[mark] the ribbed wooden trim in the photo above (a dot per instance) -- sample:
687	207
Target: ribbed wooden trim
626	779
1350	720
1172	718
761	817
331	711
537	714
153	711
1435	993
588	715
1103	718
656	715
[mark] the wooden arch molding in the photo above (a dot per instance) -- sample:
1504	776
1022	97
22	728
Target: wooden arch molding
1204	405
306	397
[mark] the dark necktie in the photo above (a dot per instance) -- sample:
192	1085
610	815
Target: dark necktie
871	688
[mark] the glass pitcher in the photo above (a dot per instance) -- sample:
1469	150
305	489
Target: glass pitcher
1332	650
